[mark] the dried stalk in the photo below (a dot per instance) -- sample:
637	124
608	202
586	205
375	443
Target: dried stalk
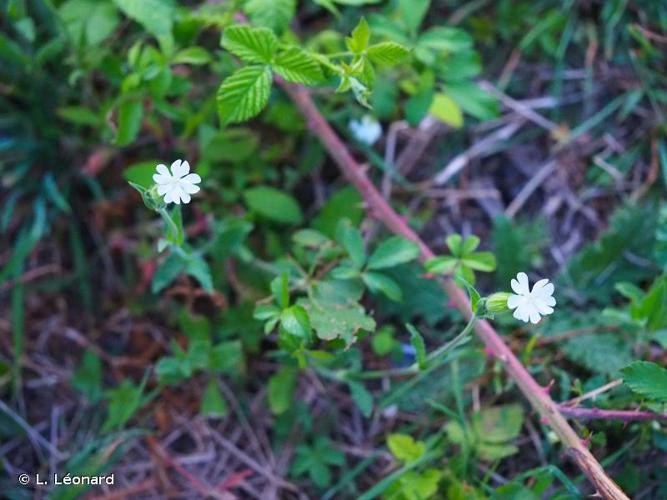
536	395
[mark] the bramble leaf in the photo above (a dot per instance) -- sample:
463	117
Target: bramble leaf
254	45
647	379
244	94
296	65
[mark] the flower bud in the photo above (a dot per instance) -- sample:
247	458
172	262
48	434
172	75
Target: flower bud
497	302
153	200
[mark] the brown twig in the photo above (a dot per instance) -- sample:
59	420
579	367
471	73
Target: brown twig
538	398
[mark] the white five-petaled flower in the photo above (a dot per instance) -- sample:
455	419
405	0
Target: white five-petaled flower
530	305
366	130
177	186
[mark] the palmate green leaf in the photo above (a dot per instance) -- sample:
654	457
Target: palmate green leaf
647	379
244	94
273	14
446	110
443	264
298	66
254	45
393	251
361	35
388	53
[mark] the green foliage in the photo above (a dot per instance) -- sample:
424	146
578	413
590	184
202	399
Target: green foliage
490	432
464	260
244	94
88	377
213	403
405	448
124	402
273	204
273	14
316	460
594	271
647	379
517	247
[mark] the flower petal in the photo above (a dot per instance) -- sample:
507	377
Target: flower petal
520	284
185	197
514	301
192	178
180	168
539	285
521	313
161	179
534	315
545	291
543	308
163	189
163	170
190	188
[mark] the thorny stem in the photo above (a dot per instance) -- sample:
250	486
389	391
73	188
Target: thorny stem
600	414
379	208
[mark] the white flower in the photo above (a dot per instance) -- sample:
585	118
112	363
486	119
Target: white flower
530	304
366	130
178	185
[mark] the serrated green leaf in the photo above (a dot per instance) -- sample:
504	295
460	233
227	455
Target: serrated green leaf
274	14
377	282
392	252
647	379
361	35
254	45
387	53
244	94
296	65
